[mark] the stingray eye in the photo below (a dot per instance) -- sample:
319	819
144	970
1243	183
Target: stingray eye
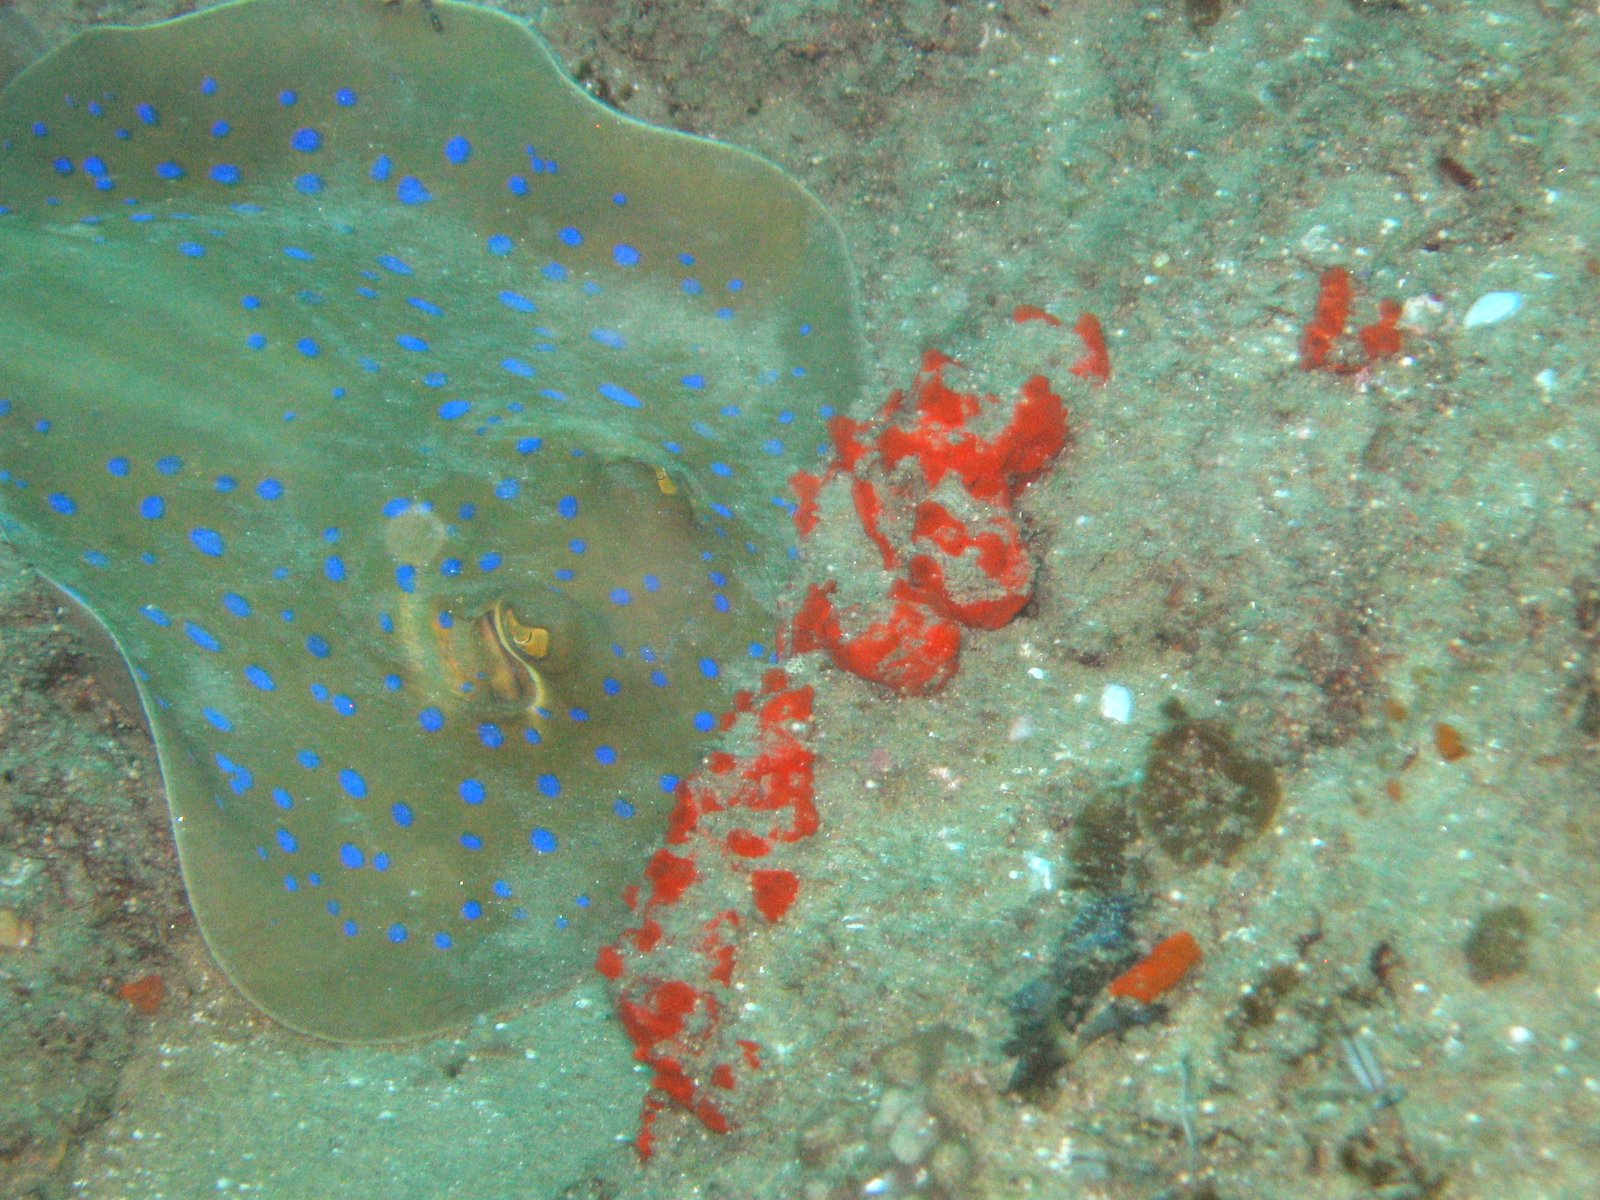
525	641
665	482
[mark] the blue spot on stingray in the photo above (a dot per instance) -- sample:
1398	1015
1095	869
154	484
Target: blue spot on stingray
226	174
217	719
499	243
269	489
450	410
118	466
519	368
308	184
333	568
307	141
260	678
407	341
287	842
156	616
457	150
350	855
345	98
62	503
169	170
567	506
625	255
411	190
398	932
471	841
518	302
443	940
202	637
148	114
471	910
405	577
382	167
605	755
318	646
571	236
473	791
615	391
208	541
403	814
351	781
544	841
431	719
549	786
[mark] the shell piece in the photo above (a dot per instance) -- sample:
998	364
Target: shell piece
1491	308
420	430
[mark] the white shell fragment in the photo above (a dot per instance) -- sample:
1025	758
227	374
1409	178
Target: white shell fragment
1491	308
1116	703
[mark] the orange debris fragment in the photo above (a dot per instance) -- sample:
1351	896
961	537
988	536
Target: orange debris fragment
1448	740
1096	361
1327	325
1158	972
145	993
1032	312
1381	339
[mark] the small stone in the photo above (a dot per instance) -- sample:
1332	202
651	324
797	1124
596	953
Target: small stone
914	1137
1497	947
16	931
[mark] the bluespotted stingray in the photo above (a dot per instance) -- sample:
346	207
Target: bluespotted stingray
420	431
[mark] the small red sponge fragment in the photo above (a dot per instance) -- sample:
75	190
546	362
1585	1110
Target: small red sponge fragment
934	497
1322	334
1158	972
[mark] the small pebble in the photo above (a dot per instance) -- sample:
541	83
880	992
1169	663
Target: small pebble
1116	703
16	931
1491	308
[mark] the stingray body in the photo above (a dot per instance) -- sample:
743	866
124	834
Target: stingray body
420	431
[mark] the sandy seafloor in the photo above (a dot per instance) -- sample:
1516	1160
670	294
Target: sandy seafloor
1330	565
